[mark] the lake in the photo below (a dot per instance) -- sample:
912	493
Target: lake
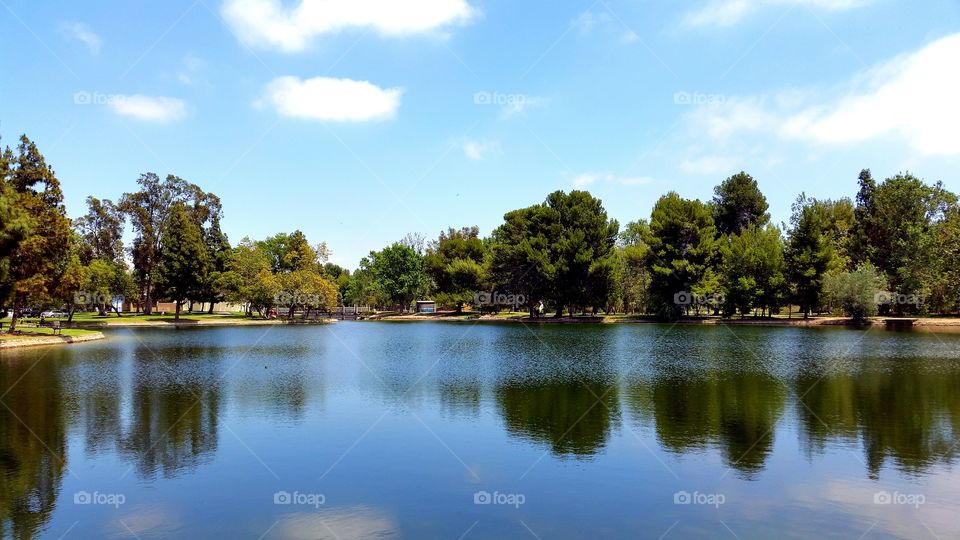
462	430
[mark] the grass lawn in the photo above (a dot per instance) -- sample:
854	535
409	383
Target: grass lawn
30	331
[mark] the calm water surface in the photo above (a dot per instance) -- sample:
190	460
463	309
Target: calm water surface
379	430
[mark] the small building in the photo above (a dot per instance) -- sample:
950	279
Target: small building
426	306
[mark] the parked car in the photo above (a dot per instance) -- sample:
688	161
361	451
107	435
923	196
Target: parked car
53	315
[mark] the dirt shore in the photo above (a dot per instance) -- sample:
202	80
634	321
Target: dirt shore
19	342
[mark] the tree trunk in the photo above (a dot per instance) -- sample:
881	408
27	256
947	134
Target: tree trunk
176	316
72	309
210	309
15	316
115	308
148	308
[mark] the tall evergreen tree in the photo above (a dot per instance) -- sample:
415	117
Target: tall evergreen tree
683	250
183	257
37	262
737	203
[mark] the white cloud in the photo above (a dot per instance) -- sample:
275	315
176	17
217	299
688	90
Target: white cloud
290	29
589	178
149	108
913	98
329	99
77	31
476	150
730	12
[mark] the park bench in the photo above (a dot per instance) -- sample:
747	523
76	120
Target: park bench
55	325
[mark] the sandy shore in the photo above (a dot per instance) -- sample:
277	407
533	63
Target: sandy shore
18	342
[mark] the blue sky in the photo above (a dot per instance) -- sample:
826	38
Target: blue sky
358	121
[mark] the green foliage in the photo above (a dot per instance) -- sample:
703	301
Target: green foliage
101	231
856	292
455	263
632	277
398	273
683	249
810	253
754	270
738	203
896	228
562	249
148	210
39	260
183	257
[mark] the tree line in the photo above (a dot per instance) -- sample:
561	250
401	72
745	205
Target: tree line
894	248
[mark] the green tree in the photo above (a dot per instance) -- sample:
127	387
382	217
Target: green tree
183	257
101	231
632	274
455	263
683	250
218	253
856	292
399	273
582	250
38	262
14	223
148	210
897	219
737	203
810	253
754	270
520	253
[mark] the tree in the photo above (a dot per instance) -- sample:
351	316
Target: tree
896	219
148	210
754	270
101	231
632	275
810	253
561	250
856	292
683	249
455	263
183	257
521	259
218	253
582	250
289	252
399	273
248	279
37	263
737	203
14	223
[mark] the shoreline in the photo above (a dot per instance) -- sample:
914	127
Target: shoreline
38	340
917	323
84	325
